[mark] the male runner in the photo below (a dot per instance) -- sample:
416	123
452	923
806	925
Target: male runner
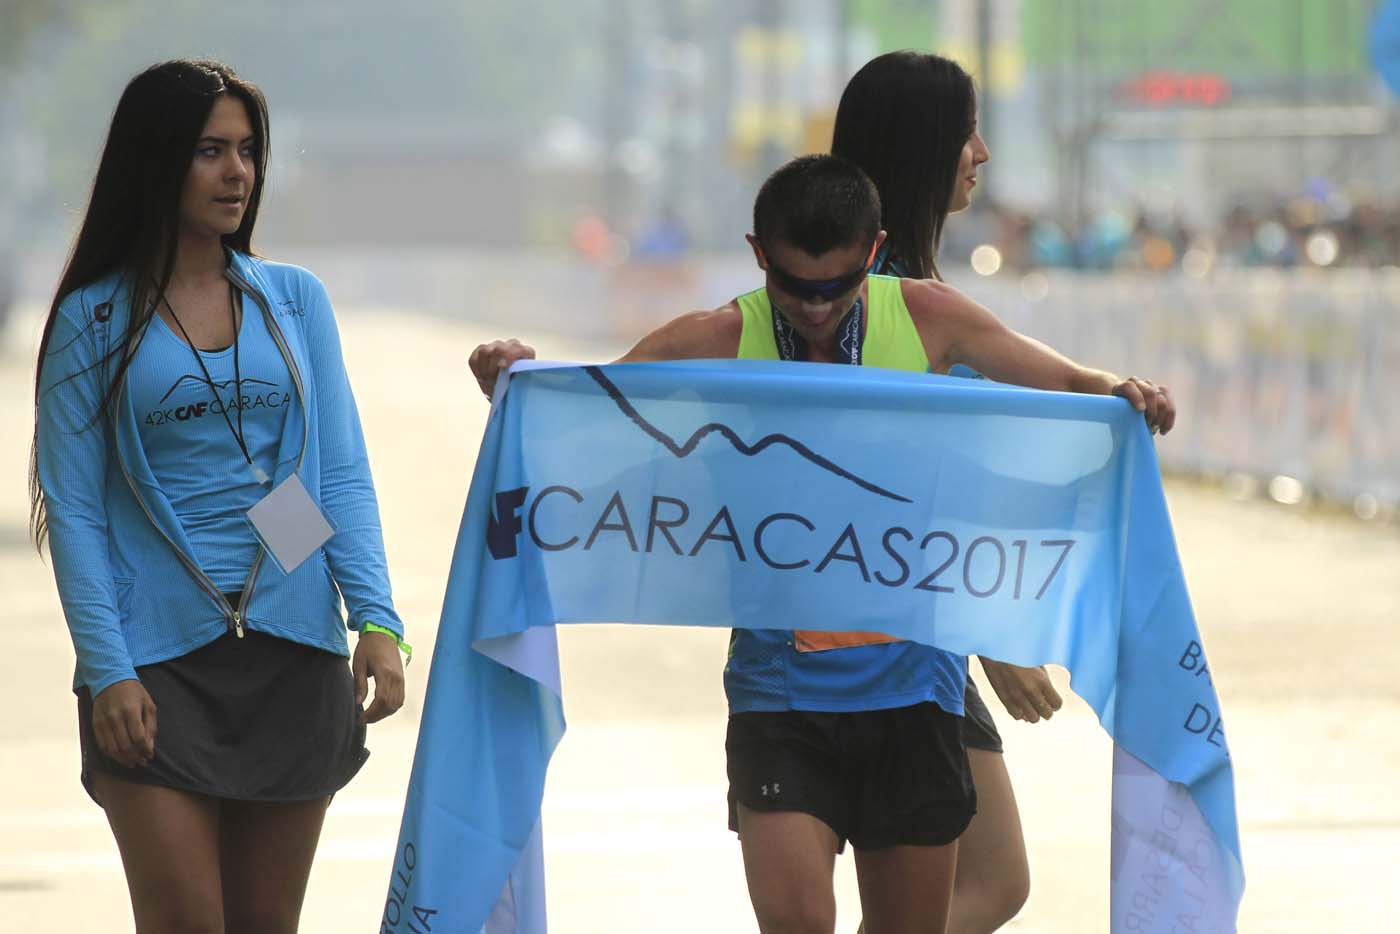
848	736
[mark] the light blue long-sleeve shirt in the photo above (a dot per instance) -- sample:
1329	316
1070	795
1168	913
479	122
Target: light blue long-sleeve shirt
132	591
197	417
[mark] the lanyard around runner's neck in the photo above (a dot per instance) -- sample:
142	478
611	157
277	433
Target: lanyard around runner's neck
885	264
238	435
791	346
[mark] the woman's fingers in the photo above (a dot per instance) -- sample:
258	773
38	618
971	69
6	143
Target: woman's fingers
1026	693
377	658
124	723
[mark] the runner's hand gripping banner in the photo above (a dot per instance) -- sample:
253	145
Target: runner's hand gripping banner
1024	526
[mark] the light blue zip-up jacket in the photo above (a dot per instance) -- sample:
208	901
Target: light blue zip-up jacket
131	591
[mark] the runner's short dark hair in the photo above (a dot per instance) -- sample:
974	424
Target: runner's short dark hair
817	203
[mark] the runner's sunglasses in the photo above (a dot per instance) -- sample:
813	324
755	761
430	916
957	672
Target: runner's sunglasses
814	290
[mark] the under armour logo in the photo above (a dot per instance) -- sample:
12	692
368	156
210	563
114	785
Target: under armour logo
769	791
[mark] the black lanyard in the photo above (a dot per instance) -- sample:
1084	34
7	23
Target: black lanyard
886	264
237	433
791	346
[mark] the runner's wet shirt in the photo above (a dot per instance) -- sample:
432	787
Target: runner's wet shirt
777	669
194	452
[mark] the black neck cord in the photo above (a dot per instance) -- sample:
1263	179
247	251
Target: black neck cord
237	433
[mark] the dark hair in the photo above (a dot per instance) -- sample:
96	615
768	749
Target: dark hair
132	219
904	119
817	203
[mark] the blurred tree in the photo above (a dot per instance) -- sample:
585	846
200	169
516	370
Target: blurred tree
371	71
27	23
363	57
22	19
897	24
26	19
1249	39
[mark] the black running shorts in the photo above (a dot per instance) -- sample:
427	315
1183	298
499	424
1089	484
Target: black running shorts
878	778
979	729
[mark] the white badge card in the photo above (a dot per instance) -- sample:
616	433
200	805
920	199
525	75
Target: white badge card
289	524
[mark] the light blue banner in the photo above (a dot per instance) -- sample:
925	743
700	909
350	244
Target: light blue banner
984	519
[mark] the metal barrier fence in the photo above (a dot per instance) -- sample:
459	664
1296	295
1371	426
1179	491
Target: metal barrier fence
1281	375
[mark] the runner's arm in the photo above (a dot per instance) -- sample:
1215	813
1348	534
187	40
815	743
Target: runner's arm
488	361
955	329
700	335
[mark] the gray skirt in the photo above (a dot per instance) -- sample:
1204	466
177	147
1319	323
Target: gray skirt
252	719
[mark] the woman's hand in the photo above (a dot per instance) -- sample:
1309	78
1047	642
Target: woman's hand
1026	693
124	722
377	657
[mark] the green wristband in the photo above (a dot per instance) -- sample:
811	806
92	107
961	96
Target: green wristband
404	647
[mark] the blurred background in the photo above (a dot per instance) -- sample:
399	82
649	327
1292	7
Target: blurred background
1203	190
1206	192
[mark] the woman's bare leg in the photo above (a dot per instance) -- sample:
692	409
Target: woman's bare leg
169	842
993	877
265	853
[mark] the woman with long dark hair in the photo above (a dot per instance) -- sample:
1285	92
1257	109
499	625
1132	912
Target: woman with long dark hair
199	474
909	120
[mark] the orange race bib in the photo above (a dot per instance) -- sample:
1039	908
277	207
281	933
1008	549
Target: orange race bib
816	640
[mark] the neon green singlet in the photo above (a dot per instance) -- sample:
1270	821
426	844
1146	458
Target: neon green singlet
797	669
891	340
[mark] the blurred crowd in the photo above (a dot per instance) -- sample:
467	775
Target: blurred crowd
1317	229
